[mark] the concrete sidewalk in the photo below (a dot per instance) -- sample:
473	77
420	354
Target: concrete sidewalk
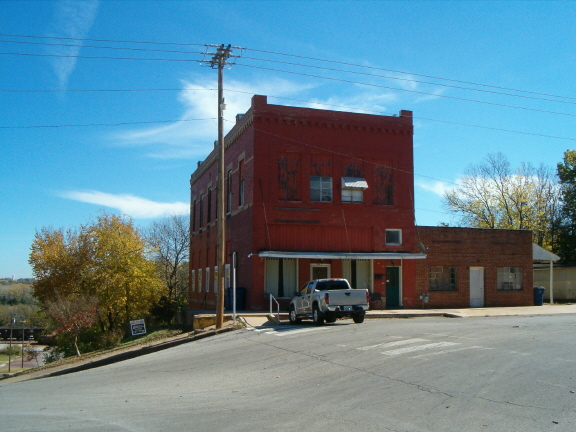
260	319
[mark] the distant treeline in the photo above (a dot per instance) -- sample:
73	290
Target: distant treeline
10	281
17	294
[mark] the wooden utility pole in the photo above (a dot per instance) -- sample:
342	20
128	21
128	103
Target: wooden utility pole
219	60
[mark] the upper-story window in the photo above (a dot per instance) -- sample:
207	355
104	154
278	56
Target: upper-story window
209	211
194	217
353	189
229	189
201	215
393	237
241	183
321	189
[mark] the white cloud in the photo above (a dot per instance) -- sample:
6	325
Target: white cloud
362	101
437	187
193	135
436	94
72	19
136	207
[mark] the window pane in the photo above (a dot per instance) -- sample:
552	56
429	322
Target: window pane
393	237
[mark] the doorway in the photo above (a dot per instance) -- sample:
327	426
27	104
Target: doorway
476	287
393	287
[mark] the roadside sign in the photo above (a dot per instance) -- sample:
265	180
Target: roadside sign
138	327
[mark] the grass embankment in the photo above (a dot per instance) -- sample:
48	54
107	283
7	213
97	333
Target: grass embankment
151	338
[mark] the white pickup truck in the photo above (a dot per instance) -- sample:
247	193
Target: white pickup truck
327	300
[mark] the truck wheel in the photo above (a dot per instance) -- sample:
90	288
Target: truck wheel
331	320
317	315
358	318
293	317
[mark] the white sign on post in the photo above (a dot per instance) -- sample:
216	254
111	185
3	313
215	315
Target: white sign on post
138	327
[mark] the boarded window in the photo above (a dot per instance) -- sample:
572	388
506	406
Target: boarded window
383	192
289	176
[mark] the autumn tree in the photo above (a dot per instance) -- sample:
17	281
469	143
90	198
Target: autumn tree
169	242
69	315
106	259
493	195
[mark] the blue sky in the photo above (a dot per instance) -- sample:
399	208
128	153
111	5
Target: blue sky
117	124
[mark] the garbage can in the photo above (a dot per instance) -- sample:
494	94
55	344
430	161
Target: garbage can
240	299
539	296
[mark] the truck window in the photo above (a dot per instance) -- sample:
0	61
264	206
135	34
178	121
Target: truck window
332	285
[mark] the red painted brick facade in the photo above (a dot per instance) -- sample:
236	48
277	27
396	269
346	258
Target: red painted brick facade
279	161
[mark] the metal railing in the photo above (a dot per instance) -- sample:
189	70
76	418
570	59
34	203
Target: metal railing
277	306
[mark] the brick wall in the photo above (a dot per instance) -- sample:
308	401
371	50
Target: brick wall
464	248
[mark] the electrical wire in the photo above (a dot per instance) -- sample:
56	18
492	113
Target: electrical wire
315	59
411	91
308	66
103	124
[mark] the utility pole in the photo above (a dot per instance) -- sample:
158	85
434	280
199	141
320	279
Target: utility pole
219	60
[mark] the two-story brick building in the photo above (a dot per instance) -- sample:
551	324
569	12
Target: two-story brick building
311	194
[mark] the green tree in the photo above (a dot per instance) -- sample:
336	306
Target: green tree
493	195
106	259
567	218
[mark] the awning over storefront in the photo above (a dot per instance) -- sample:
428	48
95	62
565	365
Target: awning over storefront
342	255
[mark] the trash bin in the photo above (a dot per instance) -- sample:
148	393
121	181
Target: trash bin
539	296
240	299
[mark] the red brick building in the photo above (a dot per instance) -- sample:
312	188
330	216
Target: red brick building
470	267
316	193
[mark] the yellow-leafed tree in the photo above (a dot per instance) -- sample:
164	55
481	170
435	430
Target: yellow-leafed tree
106	259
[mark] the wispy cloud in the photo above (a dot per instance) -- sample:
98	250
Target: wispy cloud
72	19
136	207
195	131
435	94
361	101
437	187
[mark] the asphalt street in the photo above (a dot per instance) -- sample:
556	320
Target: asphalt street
423	374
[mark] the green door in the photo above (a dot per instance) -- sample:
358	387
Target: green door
392	287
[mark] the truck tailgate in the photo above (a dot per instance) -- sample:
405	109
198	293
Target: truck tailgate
347	297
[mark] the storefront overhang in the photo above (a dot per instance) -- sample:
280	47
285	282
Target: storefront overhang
342	255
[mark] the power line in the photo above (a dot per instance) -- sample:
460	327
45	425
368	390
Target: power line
412	80
100	57
104	40
412	91
313	67
315	59
245	92
411	73
103	124
102	47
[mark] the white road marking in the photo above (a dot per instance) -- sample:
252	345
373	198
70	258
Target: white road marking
394	343
418	348
287	331
449	351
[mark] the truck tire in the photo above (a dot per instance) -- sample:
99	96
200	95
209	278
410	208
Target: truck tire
358	318
317	315
293	317
330	319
